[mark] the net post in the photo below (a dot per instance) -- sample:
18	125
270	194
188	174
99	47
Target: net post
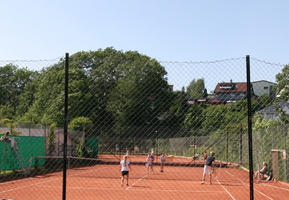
219	177
250	143
258	168
65	126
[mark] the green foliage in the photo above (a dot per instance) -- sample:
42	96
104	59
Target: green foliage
194	119
12	83
139	96
266	100
47	106
214	118
11	124
282	86
197	89
264	123
51	138
283	116
178	108
80	124
6	111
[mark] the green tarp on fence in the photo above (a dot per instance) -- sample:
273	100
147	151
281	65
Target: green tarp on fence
29	147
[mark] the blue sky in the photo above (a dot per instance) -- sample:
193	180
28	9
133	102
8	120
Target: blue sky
167	30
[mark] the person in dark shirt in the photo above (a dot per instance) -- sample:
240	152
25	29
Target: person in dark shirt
209	167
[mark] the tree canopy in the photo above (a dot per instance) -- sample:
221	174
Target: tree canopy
111	88
108	86
196	89
282	86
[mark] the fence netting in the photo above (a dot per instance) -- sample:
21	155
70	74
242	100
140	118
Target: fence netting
124	103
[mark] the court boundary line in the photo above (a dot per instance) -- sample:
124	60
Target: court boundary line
137	181
34	184
249	185
280	188
225	188
142	190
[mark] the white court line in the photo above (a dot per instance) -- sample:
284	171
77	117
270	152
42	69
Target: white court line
249	185
137	181
266	185
140	190
3	191
26	186
225	189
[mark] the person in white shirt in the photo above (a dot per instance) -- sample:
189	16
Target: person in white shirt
136	150
125	168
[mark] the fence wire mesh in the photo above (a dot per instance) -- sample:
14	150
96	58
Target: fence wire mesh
124	103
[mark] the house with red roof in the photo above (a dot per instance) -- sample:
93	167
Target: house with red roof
230	92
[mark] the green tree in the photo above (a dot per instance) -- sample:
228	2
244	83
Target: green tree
197	89
266	100
178	108
194	119
283	115
264	123
12	83
214	117
282	86
80	124
6	111
141	93
11	124
47	104
51	138
108	86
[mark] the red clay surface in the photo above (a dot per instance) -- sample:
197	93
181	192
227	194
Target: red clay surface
176	182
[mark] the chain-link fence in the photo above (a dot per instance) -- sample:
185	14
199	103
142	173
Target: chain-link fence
124	103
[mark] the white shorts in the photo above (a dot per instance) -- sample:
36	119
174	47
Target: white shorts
208	169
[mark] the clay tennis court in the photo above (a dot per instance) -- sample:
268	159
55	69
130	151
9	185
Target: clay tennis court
182	181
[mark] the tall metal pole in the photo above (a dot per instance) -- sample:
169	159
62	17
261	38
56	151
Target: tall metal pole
250	128
241	144
65	126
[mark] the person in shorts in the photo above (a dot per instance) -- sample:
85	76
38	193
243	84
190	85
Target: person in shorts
163	160
149	163
209	167
125	168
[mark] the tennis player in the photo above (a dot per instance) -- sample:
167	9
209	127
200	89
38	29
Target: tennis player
163	160
149	163
125	167
209	167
